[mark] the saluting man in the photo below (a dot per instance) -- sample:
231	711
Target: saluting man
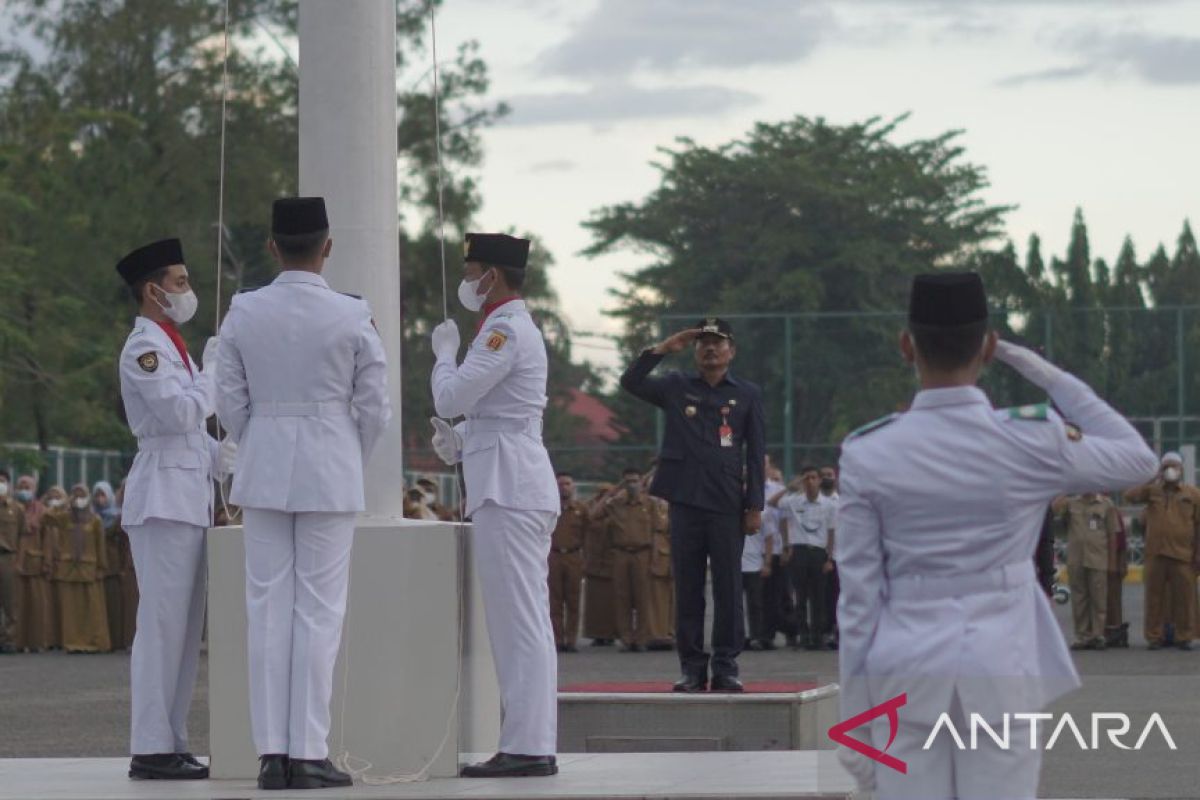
303	388
941	508
512	495
168	506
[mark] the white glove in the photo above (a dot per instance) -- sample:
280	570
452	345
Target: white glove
446	341
861	768
446	441
226	457
208	361
1029	364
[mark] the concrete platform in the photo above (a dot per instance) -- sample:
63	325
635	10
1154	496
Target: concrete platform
677	776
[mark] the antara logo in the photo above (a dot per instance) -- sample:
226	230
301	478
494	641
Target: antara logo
1115	731
839	732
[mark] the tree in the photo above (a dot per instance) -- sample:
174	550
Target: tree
799	216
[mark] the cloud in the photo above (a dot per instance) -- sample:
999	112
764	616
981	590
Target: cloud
612	102
623	36
1046	75
1155	59
554	165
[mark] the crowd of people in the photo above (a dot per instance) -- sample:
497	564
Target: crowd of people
66	573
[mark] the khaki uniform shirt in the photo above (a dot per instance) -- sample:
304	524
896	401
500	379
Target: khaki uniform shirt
1092	529
1172	519
12	525
632	522
571	528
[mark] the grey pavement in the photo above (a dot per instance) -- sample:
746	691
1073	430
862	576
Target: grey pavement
78	705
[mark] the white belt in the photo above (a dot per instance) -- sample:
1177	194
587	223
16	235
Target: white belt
937	587
175	441
529	425
336	408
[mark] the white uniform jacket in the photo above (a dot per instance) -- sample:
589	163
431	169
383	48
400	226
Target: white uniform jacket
939	517
302	388
501	388
166	406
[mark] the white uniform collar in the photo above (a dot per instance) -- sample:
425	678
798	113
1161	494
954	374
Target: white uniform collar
300	276
950	396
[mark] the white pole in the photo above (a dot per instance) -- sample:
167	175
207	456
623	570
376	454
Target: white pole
348	155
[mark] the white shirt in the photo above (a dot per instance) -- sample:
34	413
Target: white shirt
302	386
941	509
771	517
808	521
501	388
166	407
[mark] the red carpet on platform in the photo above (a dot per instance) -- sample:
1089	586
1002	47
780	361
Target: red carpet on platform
655	687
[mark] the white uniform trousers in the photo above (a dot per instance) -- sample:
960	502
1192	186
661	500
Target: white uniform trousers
946	772
297	579
172	578
512	555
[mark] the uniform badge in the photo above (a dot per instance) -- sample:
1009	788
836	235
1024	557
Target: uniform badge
496	341
690	411
148	361
1073	433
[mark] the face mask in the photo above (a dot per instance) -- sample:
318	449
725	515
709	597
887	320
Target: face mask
183	306
1171	474
827	484
54	502
3	489
430	497
469	296
24	495
80	503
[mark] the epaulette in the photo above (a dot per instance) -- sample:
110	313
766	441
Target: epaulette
873	426
1037	412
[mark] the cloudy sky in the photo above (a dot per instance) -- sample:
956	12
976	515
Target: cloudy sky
1092	103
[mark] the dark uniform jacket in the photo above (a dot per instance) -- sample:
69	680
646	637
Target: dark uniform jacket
694	469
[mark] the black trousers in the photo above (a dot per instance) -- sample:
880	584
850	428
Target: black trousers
701	538
752	588
779	612
808	582
833	588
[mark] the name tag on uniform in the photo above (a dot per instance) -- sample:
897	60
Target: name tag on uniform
1093	524
726	436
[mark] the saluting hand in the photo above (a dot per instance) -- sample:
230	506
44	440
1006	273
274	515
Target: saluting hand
678	342
1030	365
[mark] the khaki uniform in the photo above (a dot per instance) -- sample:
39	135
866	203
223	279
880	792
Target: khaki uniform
566	572
1092	528
121	603
79	561
631	523
662	585
1172	528
12	530
33	588
599	614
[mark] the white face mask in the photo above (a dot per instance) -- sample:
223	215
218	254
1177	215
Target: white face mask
54	502
1171	474
468	294
80	503
3	489
183	306
430	497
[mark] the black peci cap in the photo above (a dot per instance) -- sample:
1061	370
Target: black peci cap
947	299
298	216
150	257
712	326
498	249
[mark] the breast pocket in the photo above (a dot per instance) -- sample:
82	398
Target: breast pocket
480	442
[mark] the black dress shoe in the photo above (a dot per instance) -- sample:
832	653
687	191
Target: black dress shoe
507	765
165	767
191	759
767	644
691	683
602	642
307	774
273	771
1184	645
725	683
